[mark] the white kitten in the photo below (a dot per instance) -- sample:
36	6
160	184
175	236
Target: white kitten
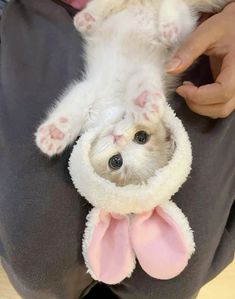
124	87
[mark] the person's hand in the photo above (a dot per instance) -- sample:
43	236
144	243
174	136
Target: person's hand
214	37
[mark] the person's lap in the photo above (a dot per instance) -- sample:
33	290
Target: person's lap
42	216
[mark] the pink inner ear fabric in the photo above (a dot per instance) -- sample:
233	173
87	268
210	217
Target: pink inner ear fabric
158	244
109	253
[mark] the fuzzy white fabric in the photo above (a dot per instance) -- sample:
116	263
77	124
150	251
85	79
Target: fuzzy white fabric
92	219
105	195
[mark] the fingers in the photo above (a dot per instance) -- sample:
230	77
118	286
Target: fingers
217	99
209	94
205	95
213	111
195	45
220	92
212	106
212	103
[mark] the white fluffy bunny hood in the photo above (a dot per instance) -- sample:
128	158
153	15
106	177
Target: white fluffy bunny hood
135	221
106	195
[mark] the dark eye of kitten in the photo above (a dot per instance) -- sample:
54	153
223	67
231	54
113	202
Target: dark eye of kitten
141	137
115	162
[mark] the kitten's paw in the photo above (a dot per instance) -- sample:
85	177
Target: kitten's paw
53	137
84	21
148	106
169	33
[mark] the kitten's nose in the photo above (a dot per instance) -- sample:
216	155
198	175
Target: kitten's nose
117	138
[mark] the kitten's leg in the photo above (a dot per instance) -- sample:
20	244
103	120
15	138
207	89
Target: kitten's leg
85	21
94	13
65	121
176	21
144	95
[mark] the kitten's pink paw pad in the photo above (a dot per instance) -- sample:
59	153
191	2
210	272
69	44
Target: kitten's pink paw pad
55	133
154	107
169	33
83	21
148	106
51	137
141	99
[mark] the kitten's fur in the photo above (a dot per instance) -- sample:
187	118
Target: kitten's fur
124	88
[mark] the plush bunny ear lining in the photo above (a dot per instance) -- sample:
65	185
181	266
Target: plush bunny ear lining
156	239
108	252
159	244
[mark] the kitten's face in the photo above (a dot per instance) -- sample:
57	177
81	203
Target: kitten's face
130	153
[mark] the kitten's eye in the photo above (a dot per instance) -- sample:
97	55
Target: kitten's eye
141	137
115	162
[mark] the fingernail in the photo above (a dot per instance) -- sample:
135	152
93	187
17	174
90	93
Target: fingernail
181	92
173	64
186	92
187	83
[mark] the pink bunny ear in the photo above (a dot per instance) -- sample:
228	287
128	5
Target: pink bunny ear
159	244
109	255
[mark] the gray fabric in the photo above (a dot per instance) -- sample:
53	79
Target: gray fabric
2	5
41	215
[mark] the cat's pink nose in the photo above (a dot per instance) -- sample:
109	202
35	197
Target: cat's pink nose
117	138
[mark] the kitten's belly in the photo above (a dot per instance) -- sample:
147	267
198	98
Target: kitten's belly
124	42
134	24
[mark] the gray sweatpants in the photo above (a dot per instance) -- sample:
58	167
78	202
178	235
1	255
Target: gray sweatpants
42	216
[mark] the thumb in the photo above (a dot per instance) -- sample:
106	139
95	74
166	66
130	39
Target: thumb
204	36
